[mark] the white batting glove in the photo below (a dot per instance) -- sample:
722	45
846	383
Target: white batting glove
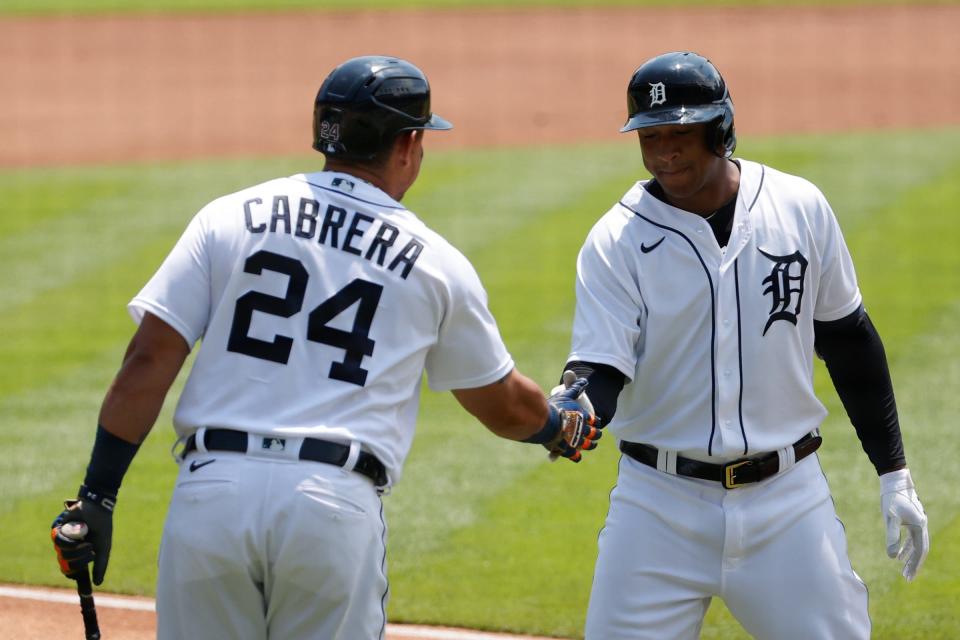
901	509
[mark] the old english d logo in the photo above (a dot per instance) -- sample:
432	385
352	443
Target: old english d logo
658	93
785	286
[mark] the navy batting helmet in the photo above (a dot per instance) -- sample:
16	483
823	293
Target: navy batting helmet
682	87
365	102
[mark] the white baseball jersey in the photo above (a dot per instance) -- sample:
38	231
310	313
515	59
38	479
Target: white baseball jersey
717	342
320	302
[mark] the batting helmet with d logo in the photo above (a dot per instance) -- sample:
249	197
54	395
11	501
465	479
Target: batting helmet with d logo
682	87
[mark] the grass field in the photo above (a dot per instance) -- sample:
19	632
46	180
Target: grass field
484	533
32	7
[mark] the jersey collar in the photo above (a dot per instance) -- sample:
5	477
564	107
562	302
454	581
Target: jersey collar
350	187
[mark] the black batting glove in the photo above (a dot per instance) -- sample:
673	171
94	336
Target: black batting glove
95	510
73	555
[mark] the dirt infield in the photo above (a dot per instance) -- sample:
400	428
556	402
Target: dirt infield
28	614
140	88
115	89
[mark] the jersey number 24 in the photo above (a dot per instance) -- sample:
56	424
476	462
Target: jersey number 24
356	342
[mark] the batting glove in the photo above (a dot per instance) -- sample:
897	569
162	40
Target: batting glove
95	510
901	510
575	431
569	377
73	555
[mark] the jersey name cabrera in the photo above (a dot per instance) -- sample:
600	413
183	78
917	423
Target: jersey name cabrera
320	302
717	344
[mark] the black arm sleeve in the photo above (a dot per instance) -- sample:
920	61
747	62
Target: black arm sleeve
606	382
853	352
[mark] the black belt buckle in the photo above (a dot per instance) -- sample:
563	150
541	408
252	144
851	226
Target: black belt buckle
730	471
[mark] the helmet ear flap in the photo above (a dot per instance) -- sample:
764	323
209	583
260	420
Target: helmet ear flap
327	124
721	136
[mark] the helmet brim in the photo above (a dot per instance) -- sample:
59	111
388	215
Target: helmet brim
674	115
437	123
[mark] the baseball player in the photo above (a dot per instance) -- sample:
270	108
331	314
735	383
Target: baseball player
319	301
702	297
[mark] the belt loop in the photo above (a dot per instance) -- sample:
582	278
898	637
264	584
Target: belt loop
200	438
352	457
667	461
178	449
788	458
251	444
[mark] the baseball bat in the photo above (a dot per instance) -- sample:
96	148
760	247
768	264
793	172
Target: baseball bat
88	608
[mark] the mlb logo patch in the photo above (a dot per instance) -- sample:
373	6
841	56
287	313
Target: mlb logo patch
274	444
343	184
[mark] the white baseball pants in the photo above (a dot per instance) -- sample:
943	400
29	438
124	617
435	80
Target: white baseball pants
255	549
774	551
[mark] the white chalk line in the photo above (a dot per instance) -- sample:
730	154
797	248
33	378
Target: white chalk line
147	604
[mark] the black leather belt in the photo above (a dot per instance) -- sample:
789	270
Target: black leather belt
732	474
312	449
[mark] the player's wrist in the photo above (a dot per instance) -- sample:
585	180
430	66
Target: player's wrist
102	499
109	461
551	427
898	480
890	468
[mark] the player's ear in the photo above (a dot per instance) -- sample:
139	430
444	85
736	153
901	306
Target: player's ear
407	146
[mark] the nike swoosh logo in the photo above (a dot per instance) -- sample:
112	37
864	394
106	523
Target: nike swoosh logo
196	464
645	249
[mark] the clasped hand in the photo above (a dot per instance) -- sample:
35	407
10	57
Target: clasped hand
578	429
